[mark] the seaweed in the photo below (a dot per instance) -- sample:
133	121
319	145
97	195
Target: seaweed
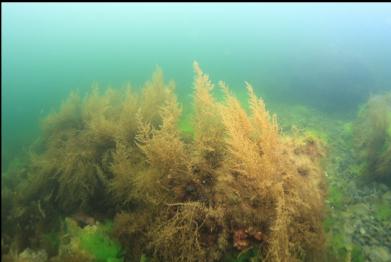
97	243
237	183
163	147
92	242
189	225
130	228
207	124
373	141
268	171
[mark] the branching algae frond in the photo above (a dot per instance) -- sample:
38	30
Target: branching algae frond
238	184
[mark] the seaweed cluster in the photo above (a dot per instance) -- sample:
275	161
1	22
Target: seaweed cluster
237	184
372	134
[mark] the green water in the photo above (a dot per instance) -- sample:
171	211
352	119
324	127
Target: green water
314	65
330	56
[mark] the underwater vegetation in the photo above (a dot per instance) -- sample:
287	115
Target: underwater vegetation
237	185
92	241
372	131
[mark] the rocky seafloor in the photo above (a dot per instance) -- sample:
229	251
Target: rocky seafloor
364	221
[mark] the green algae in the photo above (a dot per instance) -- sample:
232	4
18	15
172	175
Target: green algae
100	246
95	240
336	197
383	211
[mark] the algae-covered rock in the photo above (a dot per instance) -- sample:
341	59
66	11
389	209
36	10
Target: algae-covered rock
92	240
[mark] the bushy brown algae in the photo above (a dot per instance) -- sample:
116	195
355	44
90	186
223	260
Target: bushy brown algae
238	184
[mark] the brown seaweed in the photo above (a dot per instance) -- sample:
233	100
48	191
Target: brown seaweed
239	183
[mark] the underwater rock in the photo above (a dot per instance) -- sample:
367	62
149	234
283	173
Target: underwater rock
361	221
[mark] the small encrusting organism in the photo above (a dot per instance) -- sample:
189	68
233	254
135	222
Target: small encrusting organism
372	134
237	184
